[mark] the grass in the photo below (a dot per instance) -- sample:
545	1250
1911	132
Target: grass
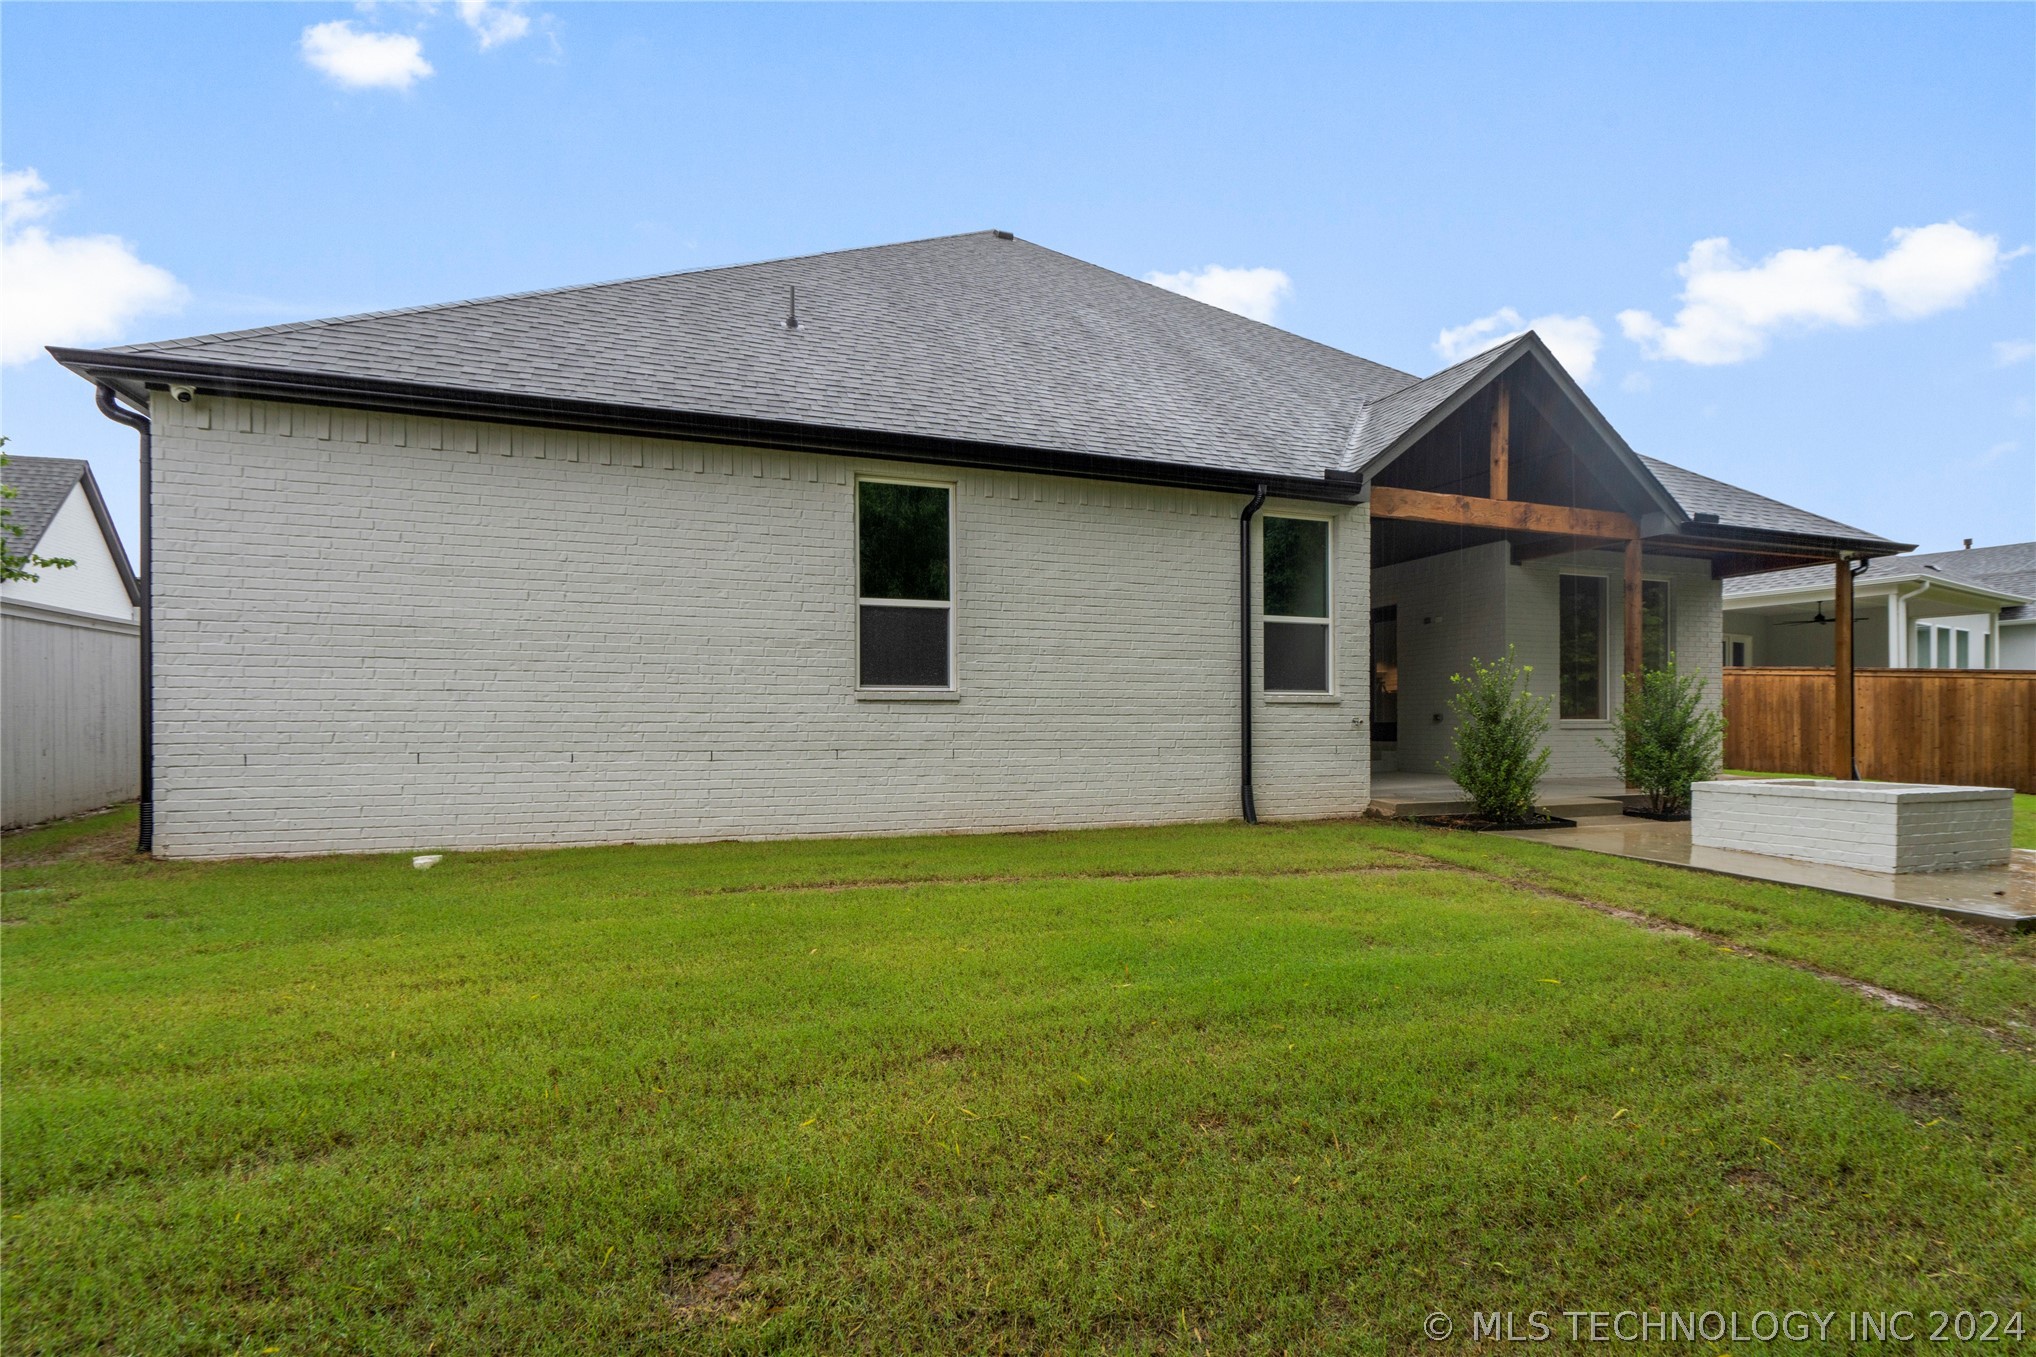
1204	1089
2025	809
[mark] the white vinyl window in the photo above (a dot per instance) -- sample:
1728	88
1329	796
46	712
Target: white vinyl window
1945	648
904	547
1297	615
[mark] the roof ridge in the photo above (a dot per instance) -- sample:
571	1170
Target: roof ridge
1239	315
422	308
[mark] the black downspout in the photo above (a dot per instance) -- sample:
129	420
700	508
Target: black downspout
113	410
1244	642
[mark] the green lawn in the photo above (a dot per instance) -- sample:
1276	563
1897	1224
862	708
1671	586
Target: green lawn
2025	809
1208	1089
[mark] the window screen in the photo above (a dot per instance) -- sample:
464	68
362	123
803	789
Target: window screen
1654	624
1583	648
1296	605
904	647
903	549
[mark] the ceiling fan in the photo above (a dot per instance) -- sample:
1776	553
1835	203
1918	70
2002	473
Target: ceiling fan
1818	621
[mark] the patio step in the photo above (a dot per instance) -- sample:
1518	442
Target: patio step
1568	807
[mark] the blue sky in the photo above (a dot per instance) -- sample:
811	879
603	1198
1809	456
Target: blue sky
1410	171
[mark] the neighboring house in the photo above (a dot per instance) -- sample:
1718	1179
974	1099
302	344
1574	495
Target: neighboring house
69	651
1969	609
971	535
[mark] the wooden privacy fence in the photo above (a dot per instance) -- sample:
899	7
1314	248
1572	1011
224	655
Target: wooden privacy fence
1976	727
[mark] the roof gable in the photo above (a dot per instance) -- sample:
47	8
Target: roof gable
42	486
1391	425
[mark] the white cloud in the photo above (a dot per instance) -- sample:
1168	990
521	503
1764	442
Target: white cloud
362	61
494	23
1636	382
67	289
1256	293
1574	340
2008	352
1995	453
1731	308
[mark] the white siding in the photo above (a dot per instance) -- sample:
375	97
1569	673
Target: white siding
2018	645
423	633
92	586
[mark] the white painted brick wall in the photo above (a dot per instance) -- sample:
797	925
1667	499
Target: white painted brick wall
379	632
1534	626
1876	827
1472	603
1451	609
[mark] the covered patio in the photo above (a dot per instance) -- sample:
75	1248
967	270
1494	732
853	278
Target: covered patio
1507	513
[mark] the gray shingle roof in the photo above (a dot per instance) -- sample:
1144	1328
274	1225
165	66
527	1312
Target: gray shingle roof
1737	508
41	485
2009	569
973	337
1384	418
979	339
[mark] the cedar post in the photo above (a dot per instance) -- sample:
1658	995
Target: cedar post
1635	620
1843	764
1502	437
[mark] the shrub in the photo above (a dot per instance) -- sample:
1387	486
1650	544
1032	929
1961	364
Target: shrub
1498	757
1667	737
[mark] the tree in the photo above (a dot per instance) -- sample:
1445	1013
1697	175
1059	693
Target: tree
13	565
1498	757
1667	737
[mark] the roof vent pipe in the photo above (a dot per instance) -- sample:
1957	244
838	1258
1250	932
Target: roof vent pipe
110	407
1244	646
792	314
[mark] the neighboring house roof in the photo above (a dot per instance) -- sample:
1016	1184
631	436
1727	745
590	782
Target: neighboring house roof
976	348
2008	570
41	485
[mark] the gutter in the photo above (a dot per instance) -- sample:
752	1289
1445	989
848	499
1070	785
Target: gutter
1244	646
110	407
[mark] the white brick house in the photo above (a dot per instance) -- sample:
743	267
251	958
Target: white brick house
960	550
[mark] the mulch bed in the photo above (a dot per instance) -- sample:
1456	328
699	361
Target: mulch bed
1477	824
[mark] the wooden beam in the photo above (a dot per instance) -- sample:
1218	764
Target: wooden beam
1636	614
1843	762
1510	515
1502	438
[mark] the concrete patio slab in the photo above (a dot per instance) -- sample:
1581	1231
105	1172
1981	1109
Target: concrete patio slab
2000	896
1407	795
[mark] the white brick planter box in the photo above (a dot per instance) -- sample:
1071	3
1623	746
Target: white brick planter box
1871	826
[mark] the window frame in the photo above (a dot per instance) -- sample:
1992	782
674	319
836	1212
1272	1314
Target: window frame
951	603
1327	693
1741	638
1605	704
